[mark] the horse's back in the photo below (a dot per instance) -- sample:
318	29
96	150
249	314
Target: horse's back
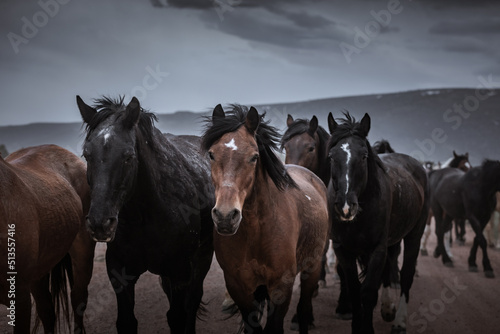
409	192
44	205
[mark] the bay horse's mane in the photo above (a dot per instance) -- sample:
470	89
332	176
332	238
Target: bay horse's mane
349	127
107	106
267	138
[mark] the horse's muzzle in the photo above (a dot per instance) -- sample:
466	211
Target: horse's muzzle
102	232
226	223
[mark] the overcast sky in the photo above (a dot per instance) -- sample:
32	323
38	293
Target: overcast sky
191	55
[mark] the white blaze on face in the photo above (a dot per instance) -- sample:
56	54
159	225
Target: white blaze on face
345	148
231	145
106	133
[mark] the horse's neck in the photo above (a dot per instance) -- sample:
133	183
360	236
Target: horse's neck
376	175
154	170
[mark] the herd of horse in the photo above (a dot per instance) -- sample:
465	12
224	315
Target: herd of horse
166	204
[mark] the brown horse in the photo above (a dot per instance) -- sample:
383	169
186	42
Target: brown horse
271	221
43	200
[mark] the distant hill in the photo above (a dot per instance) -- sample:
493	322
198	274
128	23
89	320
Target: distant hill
422	123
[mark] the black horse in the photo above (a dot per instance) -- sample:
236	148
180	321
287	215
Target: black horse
151	200
383	146
375	202
456	194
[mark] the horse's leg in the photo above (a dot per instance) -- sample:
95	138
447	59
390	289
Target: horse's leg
481	242
460	231
322	276
82	261
344	306
44	305
370	286
248	306
390	278
349	269
23	310
425	237
280	294
443	222
411	249
185	299
308	284
123	280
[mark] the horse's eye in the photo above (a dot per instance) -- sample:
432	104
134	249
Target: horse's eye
311	148
128	159
211	156
254	158
365	156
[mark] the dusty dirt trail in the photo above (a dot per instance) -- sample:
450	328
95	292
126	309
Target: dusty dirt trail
443	300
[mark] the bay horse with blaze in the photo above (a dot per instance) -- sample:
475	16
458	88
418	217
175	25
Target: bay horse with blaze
44	198
375	202
271	221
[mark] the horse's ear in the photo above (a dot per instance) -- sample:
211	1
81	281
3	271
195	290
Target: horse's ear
86	111
132	113
455	154
313	126
218	113
332	125
364	125
289	120
467	155
253	120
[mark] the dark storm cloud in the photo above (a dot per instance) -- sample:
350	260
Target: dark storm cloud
467	27
278	27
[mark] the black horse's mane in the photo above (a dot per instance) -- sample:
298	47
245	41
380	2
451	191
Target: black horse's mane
267	138
107	106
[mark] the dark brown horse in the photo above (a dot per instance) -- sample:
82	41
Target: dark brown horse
44	198
271	221
470	195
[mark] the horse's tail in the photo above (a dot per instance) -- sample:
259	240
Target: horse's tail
60	275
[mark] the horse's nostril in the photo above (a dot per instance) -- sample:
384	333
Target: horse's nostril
235	214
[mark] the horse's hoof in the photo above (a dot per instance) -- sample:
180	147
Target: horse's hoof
489	274
448	264
343	316
294	326
322	283
424	252
398	330
436	253
473	269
